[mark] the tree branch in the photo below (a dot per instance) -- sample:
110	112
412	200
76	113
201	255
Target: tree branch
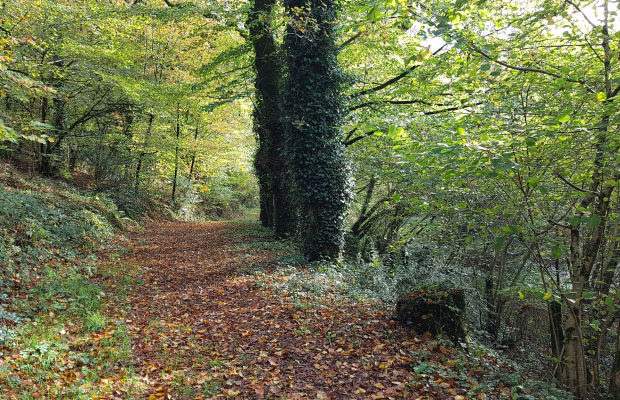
394	79
358	138
593	25
351	39
207	14
396	102
443	110
571	184
525	69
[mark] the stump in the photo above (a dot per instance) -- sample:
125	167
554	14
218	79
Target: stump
434	311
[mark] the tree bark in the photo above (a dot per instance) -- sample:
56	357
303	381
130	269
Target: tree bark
191	166
557	338
614	376
176	155
277	204
576	372
142	154
315	108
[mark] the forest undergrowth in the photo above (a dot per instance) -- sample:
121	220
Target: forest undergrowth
95	306
178	310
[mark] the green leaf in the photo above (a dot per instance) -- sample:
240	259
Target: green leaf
609	302
592	222
499	242
422	367
575	221
40	125
485	67
556	252
601	96
407	23
396	197
564	116
547	296
587	295
460	130
375	14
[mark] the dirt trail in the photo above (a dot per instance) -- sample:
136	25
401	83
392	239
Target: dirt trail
203	327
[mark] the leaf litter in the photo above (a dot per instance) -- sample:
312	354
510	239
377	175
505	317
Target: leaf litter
206	311
204	328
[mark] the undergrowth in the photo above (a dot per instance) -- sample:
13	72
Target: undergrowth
57	338
379	282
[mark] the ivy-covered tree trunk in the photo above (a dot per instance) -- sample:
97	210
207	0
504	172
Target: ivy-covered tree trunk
277	205
315	108
263	173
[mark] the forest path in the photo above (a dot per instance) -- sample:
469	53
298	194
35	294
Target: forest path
204	327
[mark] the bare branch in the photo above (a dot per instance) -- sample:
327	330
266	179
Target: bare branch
593	25
395	102
443	110
571	184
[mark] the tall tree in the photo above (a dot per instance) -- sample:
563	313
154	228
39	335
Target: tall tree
277	205
315	109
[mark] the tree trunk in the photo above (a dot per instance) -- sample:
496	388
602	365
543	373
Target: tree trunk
142	154
46	165
576	372
265	185
315	109
614	376
176	155
557	338
355	229
493	316
191	166
277	202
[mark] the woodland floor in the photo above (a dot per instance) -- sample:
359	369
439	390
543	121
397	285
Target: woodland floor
203	325
199	312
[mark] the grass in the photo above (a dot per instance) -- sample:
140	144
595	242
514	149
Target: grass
69	344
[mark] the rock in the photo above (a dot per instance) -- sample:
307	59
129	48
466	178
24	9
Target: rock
435	311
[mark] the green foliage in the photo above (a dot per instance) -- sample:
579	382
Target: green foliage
39	224
95	322
68	290
485	148
99	85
